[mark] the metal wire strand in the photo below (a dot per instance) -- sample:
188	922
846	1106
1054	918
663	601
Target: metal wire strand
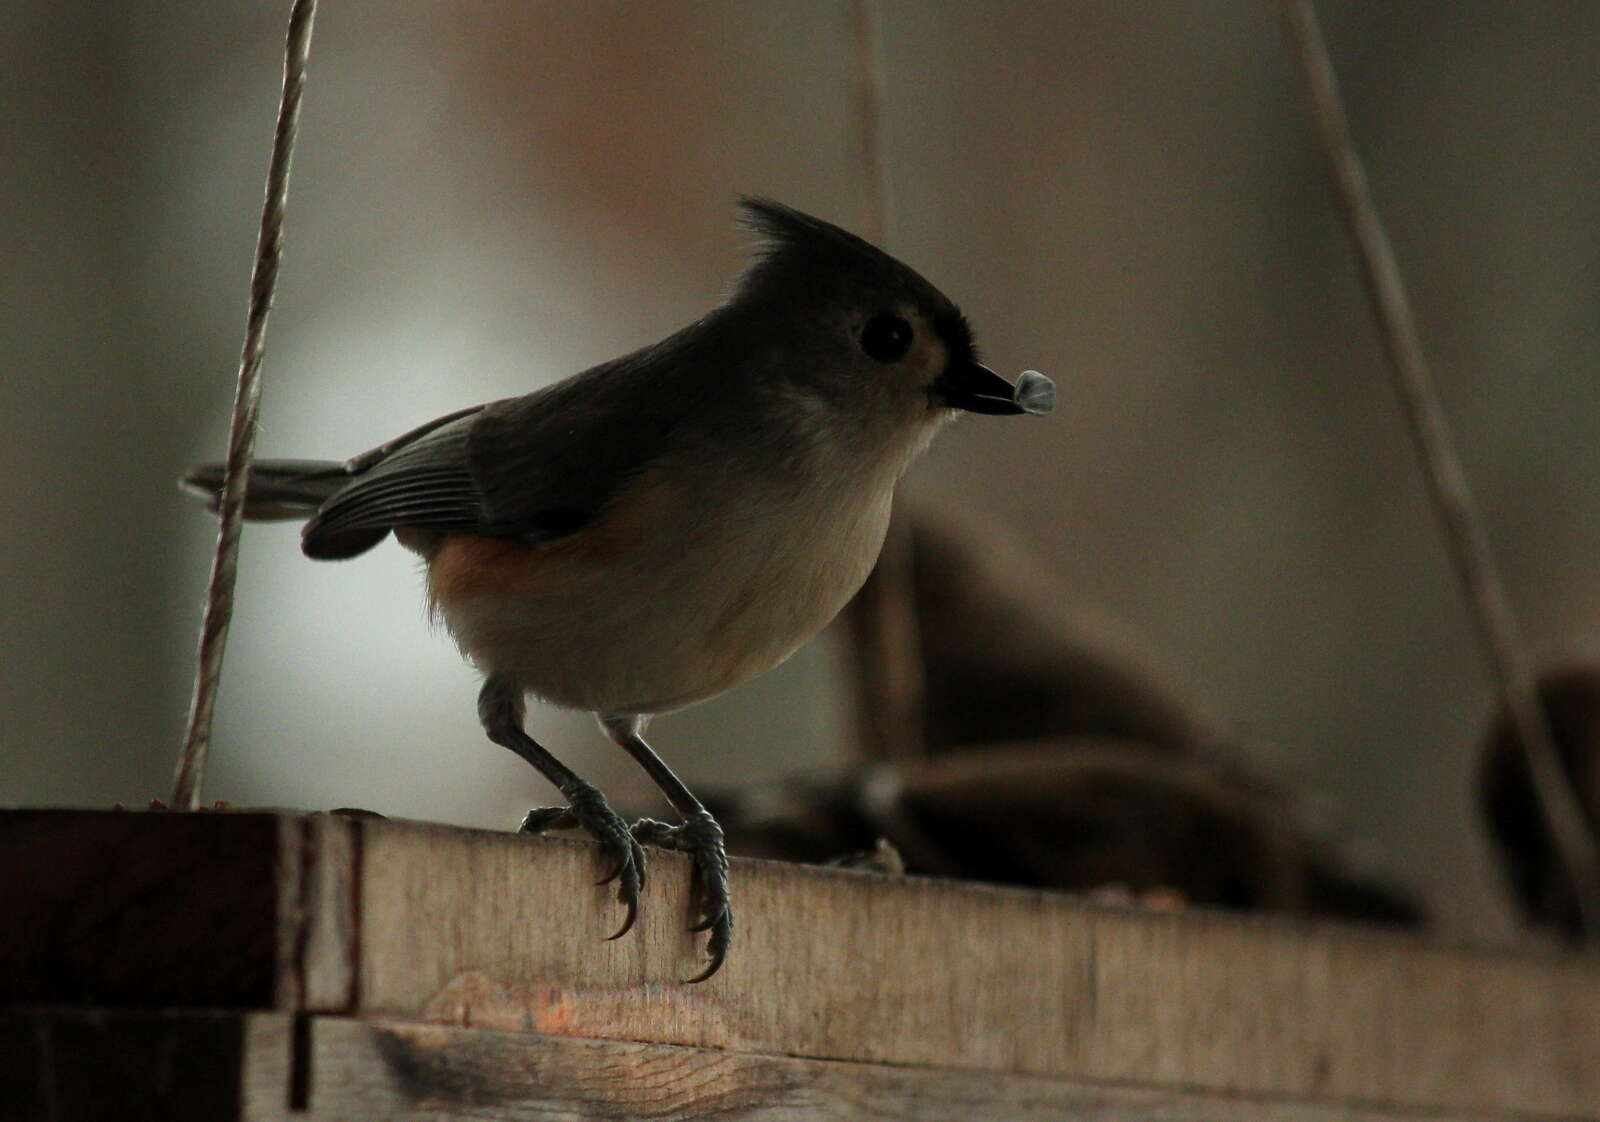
890	676
246	408
1464	532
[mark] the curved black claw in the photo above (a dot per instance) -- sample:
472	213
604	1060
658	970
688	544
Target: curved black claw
587	810
542	818
701	838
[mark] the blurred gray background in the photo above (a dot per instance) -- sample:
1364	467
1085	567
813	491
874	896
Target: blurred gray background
490	196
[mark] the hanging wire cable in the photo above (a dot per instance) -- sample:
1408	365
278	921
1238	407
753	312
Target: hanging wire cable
867	23
246	407
1464	533
889	672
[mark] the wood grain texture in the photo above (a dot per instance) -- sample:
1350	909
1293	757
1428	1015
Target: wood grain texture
397	1070
89	1065
497	931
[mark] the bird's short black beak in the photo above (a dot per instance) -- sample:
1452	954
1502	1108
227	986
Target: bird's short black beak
977	389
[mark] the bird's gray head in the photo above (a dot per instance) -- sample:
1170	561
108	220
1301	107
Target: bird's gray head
877	337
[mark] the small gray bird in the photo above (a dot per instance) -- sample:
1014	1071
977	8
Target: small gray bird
655	530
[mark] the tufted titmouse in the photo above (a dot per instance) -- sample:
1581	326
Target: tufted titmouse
658	529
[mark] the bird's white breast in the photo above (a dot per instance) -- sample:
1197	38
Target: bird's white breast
694	581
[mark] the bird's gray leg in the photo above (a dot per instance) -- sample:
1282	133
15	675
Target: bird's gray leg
698	835
501	709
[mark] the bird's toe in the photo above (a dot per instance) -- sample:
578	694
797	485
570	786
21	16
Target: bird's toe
587	810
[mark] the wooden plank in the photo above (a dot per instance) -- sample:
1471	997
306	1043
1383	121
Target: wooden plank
398	1070
473	929
489	930
89	1065
219	909
327	957
135	908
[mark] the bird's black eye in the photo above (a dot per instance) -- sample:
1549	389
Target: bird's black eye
886	338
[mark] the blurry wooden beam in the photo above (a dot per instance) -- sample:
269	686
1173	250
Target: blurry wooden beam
998	654
1081	814
885	645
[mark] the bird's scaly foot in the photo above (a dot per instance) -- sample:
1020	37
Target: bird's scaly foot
701	838
587	810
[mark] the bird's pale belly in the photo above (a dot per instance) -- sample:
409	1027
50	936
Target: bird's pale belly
721	602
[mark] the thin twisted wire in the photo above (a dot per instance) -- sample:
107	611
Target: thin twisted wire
891	678
246	408
867	23
1464	532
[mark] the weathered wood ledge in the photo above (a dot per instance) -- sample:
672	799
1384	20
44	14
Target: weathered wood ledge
428	971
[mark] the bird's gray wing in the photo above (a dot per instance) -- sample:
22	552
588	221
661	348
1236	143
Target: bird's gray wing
535	467
545	464
419	479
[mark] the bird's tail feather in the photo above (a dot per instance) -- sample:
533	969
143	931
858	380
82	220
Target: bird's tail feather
279	489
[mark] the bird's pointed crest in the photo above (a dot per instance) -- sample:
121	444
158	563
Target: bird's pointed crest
795	243
782	228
